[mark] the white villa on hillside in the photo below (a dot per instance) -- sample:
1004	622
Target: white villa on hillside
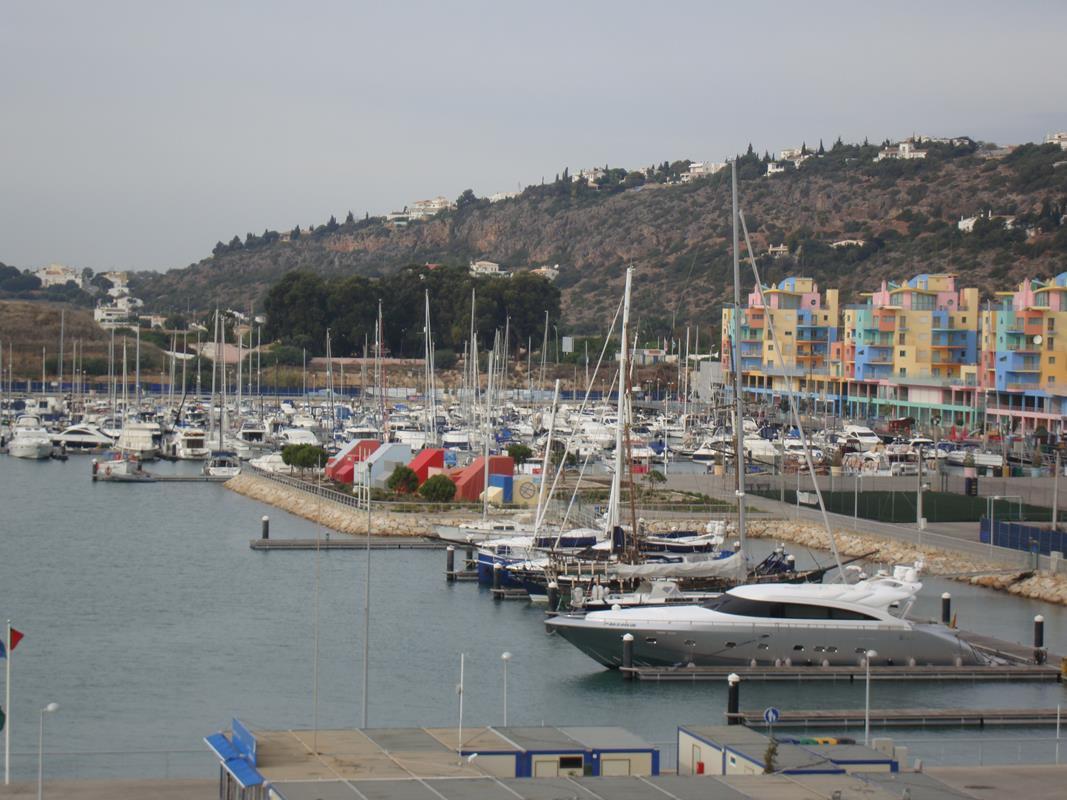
487	268
1057	138
422	209
906	151
701	169
58	275
547	272
496	197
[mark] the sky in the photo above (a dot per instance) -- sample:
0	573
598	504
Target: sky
134	135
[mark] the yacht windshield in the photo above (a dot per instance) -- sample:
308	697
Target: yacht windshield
746	607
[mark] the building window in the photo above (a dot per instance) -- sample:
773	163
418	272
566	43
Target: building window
963	320
1051	324
903	353
903	372
1048	343
900	339
1052	359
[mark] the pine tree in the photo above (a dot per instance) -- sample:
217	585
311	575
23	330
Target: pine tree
350	219
822	150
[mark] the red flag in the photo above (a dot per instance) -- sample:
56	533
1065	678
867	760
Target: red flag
16	637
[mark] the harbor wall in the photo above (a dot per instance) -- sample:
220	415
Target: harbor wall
342	518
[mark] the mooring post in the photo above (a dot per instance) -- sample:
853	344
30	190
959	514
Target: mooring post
553	596
497	568
733	699
1039	639
627	656
946	608
450	563
264	527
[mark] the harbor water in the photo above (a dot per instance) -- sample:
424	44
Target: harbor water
151	623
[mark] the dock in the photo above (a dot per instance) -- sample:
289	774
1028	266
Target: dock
852	674
346	542
906	717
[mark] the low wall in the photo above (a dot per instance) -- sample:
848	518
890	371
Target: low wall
335	516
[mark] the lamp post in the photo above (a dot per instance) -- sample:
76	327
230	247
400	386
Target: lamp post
867	703
48	709
505	657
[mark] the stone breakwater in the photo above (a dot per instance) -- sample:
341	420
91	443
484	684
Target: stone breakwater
334	516
1051	588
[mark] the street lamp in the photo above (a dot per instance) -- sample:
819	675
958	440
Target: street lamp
505	657
48	709
867	704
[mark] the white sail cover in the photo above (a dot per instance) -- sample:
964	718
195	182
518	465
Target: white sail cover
733	566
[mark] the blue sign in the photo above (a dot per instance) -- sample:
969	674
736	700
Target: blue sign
771	715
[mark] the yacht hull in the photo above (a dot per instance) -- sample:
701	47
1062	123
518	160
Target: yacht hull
726	645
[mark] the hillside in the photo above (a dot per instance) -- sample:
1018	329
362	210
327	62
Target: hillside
28	328
678	234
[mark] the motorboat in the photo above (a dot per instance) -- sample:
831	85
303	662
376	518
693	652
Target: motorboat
297	436
864	438
774	624
29	439
139	439
83	437
222	464
121	469
188	444
271	462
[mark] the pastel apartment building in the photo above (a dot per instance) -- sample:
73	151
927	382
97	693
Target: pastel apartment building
924	348
806	324
1024	356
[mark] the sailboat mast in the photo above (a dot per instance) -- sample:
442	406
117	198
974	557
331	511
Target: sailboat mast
739	436
620	447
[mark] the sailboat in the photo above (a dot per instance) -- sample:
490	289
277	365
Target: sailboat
221	463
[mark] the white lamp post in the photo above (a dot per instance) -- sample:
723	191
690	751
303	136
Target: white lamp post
867	704
505	657
48	709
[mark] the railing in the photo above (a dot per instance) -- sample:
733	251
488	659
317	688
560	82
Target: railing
317	490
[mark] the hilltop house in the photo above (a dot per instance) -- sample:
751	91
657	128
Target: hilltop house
776	250
1059	138
773	168
487	268
905	151
58	275
848	243
423	209
496	197
547	272
702	169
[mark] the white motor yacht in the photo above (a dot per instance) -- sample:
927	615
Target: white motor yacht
222	464
139	439
84	437
832	624
29	439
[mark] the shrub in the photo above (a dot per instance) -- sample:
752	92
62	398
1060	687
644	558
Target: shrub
403	480
438	489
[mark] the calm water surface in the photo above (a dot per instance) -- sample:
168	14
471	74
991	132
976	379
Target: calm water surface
151	623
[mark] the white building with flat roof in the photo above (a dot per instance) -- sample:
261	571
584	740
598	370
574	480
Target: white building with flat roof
487	268
422	209
1059	138
547	272
702	169
58	275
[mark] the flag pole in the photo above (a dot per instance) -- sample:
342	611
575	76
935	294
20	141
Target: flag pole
7	705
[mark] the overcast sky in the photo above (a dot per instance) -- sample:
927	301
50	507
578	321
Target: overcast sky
136	134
